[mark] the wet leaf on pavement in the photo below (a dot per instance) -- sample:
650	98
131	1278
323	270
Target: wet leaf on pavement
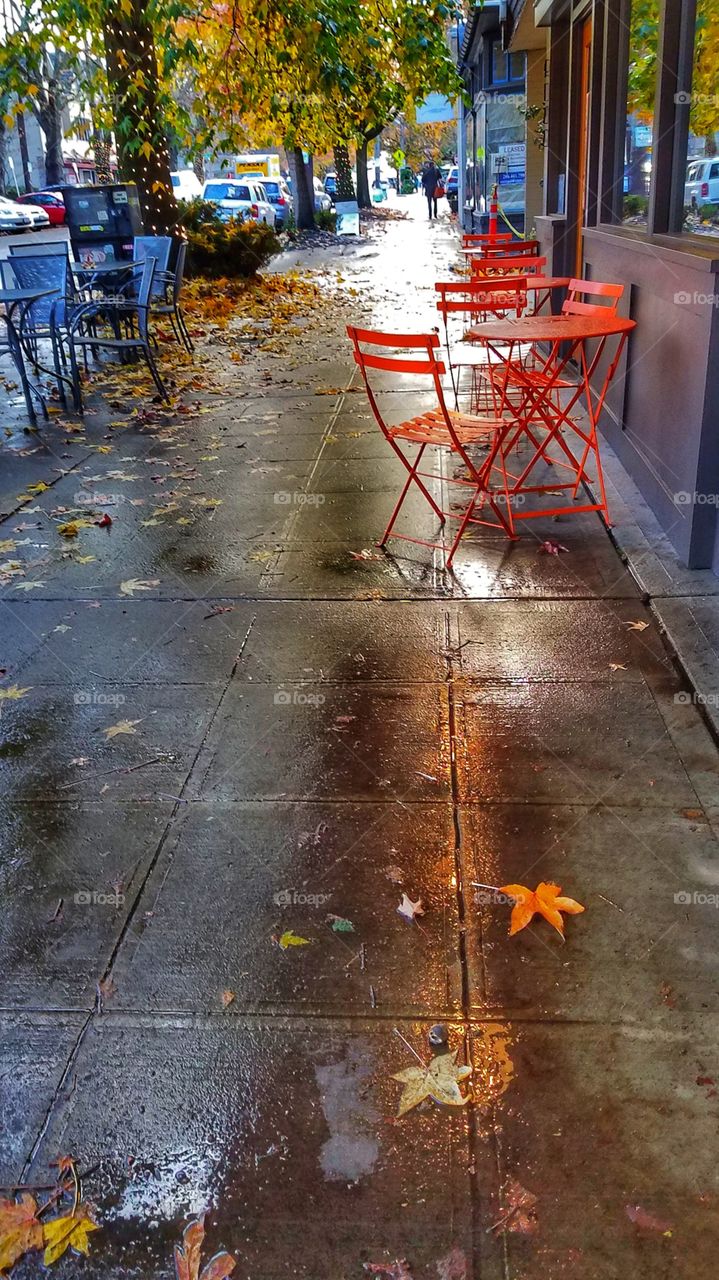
187	1256
13	692
453	1266
439	1081
68	1232
122	726
131	585
645	1220
546	900
20	1229
409	909
289	939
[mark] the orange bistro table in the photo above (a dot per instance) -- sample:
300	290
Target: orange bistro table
535	382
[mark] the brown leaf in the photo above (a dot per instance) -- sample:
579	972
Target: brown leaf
227	997
453	1266
20	1229
645	1220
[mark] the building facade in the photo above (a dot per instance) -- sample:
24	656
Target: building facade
628	103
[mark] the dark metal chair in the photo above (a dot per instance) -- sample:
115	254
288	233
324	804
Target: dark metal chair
47	318
170	305
50	248
131	311
159	248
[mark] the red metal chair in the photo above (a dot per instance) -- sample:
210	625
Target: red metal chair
471	302
458	433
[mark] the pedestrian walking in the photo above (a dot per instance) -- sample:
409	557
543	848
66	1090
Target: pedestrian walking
432	186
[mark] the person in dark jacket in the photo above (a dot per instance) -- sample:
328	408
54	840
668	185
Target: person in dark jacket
431	178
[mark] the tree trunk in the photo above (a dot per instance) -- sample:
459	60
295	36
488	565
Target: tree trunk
3	151
24	156
139	132
302	194
343	169
364	199
710	144
198	167
49	117
101	150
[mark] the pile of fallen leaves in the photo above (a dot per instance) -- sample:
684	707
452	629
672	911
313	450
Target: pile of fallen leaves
217	302
53	1227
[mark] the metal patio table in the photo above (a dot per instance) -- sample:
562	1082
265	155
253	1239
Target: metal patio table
11	300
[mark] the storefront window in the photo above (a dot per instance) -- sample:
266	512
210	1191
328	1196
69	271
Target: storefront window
639	128
701	190
470	180
503	148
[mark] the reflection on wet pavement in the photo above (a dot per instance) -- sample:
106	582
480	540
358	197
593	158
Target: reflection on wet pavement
242	735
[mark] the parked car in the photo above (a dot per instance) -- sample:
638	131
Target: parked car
452	187
280	197
51	201
241	200
186	184
39	217
331	186
322	200
13	217
702	183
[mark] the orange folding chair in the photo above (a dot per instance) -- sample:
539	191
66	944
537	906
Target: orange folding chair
498	265
513	249
472	302
471	238
575	304
459	434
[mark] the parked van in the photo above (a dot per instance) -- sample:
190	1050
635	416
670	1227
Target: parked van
185	184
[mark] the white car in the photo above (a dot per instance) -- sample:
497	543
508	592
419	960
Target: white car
239	198
15	217
702	184
40	217
322	200
186	184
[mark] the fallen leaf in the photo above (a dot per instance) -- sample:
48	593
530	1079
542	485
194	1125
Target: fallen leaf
519	1209
617	666
290	939
187	1256
366	554
122	726
131	585
552	548
20	1229
409	909
227	997
40	487
545	899
398	1270
637	626
395	874
84	559
12	692
104	522
28	586
68	1232
339	924
438	1081
72	527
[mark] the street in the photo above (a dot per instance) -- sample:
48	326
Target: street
239	735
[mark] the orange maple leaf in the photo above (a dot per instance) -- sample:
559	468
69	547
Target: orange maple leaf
20	1230
546	900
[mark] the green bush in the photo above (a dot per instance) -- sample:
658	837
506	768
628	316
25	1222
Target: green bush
635	206
230	248
326	219
197	213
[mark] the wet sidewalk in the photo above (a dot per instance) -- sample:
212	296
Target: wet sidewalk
239	736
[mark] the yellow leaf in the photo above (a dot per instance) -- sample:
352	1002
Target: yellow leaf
40	487
13	692
290	939
146	150
122	726
69	1232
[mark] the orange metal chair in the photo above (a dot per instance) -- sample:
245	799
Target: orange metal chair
513	249
470	238
574	304
458	433
472	302
497	265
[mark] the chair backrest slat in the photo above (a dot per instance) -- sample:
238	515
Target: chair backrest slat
513	249
53	248
527	264
157	247
577	290
469	238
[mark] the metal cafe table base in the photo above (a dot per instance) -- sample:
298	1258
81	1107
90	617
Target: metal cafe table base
11	299
542	420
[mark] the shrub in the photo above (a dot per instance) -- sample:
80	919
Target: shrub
197	213
326	219
230	248
635	206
